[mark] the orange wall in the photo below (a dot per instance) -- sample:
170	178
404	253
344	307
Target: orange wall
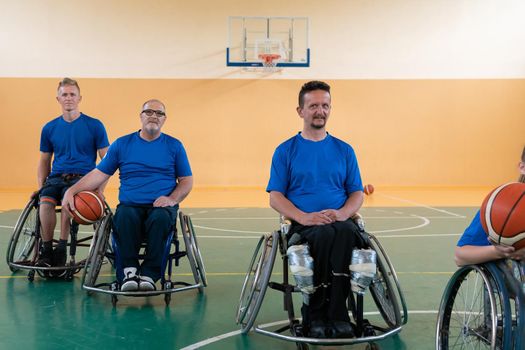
405	132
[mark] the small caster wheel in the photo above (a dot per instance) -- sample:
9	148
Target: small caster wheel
31	276
114	300
68	276
302	346
167	297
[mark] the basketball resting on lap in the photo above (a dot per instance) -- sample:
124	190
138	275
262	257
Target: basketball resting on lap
89	208
502	215
504	212
155	176
69	146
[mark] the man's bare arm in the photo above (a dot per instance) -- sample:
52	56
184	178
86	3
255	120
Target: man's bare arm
184	186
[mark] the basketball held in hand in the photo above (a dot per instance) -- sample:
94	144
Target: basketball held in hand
502	215
89	208
368	189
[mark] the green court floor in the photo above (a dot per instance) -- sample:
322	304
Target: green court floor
59	315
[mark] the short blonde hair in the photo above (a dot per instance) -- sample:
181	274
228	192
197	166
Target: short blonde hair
68	82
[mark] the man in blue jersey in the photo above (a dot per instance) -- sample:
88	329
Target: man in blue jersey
155	176
474	246
315	182
72	142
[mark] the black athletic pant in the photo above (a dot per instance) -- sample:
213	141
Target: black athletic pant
136	224
331	248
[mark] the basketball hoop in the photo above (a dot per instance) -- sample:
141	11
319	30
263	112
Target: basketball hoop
269	61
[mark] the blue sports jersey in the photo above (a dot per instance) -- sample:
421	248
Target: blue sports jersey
74	144
474	234
315	175
148	169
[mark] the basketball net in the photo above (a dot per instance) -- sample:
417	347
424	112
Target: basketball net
269	61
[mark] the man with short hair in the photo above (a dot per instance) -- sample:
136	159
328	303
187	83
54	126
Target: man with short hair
155	176
72	142
315	182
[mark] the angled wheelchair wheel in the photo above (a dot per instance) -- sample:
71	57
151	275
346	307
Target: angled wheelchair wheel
22	243
514	273
256	280
385	288
97	252
193	252
474	312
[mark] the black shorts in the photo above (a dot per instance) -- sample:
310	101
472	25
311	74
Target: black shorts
55	186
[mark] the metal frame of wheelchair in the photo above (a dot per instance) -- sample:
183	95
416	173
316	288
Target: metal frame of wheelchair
483	307
23	247
99	250
385	291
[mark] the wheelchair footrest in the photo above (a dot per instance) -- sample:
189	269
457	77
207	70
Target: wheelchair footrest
285	288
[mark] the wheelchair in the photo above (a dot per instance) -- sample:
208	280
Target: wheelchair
23	248
384	289
483	307
99	251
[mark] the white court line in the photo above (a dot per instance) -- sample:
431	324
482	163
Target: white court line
224	230
421	205
56	231
412	236
426	222
277	323
378	236
257	237
411	216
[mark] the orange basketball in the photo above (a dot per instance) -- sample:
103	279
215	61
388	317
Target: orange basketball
369	189
89	208
502	215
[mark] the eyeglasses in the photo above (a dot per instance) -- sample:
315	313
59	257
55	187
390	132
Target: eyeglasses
151	112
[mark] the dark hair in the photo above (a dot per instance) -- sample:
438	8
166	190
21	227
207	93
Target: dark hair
312	86
68	82
523	155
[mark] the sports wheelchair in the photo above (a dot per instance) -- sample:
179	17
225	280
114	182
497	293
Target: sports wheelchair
23	248
172	254
483	307
385	290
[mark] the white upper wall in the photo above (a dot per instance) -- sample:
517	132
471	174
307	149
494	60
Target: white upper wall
349	39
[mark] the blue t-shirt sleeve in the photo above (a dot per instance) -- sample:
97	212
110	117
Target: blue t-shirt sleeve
101	137
474	234
278	179
182	164
45	142
110	163
353	181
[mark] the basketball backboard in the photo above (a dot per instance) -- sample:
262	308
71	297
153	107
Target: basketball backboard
250	39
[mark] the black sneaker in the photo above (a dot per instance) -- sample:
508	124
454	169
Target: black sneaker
318	329
342	329
45	258
59	259
59	256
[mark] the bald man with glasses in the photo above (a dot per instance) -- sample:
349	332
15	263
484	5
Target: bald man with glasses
155	176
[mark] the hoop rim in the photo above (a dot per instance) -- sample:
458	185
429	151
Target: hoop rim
268	58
